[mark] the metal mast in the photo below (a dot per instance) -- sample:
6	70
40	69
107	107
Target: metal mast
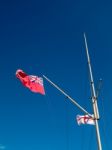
94	98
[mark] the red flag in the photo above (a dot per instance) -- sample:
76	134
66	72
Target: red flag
34	83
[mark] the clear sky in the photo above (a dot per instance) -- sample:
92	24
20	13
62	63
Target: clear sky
46	37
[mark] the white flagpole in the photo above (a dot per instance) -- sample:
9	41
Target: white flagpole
94	98
71	99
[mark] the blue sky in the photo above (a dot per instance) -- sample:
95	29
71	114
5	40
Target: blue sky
46	37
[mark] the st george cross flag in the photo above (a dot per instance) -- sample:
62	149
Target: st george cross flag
86	119
34	83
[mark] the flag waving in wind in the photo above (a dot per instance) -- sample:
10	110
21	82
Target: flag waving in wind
86	119
34	83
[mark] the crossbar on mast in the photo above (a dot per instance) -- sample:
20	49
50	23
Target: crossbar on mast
94	98
71	99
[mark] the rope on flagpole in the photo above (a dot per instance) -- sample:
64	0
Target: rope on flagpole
104	125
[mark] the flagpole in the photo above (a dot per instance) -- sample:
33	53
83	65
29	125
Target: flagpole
71	99
94	98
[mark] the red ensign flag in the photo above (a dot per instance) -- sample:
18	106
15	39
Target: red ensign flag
34	83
